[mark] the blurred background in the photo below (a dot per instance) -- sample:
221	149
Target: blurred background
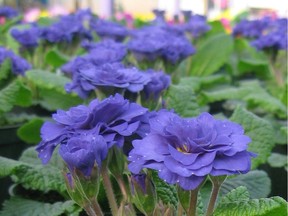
213	9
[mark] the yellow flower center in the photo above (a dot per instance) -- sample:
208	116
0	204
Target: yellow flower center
184	149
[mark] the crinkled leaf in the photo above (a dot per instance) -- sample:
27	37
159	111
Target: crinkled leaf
165	192
48	80
249	91
183	100
25	207
251	181
277	160
7	166
55	58
5	69
15	93
239	194
260	131
211	55
237	203
30	131
52	99
30	172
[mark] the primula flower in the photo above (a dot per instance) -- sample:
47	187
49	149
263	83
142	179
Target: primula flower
196	25
252	28
66	29
89	77
162	42
159	82
8	12
109	30
185	151
85	133
19	65
27	37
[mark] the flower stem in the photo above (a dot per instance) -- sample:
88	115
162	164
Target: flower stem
121	184
217	182
90	211
109	190
96	207
193	202
179	210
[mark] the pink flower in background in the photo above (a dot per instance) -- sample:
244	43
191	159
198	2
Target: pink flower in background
32	15
2	20
58	10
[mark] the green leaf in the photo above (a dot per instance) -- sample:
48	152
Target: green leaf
5	69
211	55
48	80
237	203
30	172
7	166
252	182
26	207
260	131
239	194
15	93
249	91
53	99
37	176
183	100
165	192
55	58
9	23
277	160
30	131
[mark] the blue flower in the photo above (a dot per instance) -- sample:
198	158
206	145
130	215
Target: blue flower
89	77
109	30
196	25
159	82
8	12
27	37
85	133
18	64
185	151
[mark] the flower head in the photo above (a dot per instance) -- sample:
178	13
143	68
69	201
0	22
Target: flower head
89	77
185	151
109	30
159	82
196	25
8	12
85	133
18	64
27	37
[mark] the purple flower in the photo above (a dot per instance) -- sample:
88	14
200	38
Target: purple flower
159	82
162	42
107	51
252	28
109	30
275	40
18	64
27	37
8	12
85	133
90	77
197	25
66	29
185	151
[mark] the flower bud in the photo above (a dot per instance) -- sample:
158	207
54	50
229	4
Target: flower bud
143	193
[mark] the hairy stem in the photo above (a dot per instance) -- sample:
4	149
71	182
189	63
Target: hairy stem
109	190
193	202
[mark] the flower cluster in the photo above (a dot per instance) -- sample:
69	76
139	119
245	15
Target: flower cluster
196	25
275	37
109	30
185	151
85	133
18	64
160	42
8	12
252	28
